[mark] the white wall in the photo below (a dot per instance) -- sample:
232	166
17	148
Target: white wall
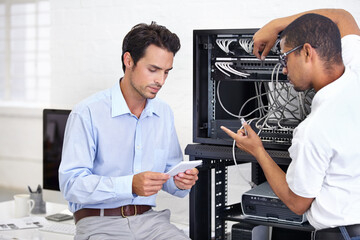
87	38
86	49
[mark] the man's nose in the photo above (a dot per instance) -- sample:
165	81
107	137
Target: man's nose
285	71
160	79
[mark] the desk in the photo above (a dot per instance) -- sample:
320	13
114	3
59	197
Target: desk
219	158
7	212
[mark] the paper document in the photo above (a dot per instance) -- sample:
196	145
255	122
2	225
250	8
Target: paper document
22	223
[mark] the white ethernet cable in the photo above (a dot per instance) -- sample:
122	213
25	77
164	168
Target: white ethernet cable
277	103
275	108
232	114
299	109
221	104
224	44
218	66
275	48
251	183
247	45
224	67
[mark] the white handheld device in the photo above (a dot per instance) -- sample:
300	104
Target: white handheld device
183	166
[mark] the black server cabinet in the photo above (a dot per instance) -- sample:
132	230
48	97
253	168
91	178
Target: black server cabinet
229	82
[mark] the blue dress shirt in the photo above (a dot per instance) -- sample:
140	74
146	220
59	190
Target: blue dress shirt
105	145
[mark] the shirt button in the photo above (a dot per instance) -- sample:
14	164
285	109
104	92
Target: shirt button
138	147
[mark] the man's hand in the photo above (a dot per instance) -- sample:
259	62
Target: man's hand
250	143
264	40
148	183
186	179
276	177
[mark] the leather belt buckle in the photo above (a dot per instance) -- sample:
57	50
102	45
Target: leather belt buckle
124	214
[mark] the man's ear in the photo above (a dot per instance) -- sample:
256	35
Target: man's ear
308	51
128	61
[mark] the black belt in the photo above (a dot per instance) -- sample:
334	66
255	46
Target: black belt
124	211
335	233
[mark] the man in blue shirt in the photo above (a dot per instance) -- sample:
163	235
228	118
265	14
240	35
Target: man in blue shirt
119	143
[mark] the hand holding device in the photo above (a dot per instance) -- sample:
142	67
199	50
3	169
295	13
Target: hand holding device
148	183
183	166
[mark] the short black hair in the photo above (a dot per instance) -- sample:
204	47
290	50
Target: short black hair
320	32
143	35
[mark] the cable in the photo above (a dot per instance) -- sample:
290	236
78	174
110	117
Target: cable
221	104
218	66
275	48
251	183
284	105
247	45
278	106
230	113
224	44
225	66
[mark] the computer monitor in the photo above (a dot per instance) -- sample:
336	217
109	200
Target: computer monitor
54	122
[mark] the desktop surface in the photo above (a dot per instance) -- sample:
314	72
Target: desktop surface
7	212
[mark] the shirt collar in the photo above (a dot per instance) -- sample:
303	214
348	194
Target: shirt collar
120	107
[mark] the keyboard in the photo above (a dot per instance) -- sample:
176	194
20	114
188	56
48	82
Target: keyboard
57	227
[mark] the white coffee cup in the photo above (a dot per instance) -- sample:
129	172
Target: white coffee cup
23	205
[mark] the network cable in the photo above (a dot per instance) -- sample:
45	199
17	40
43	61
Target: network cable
247	45
224	44
283	103
225	67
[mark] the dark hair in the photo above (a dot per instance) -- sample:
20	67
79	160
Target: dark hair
320	32
142	35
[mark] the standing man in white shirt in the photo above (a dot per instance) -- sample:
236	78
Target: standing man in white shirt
320	50
119	144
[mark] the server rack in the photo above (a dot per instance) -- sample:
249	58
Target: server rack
230	83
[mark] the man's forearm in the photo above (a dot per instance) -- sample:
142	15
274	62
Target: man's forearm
277	180
273	173
343	19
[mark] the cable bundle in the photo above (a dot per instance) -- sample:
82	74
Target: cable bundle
224	44
247	45
284	103
225	67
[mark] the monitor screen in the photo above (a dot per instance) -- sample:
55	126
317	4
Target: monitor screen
54	122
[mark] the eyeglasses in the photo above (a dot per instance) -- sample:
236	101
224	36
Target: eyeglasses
283	56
